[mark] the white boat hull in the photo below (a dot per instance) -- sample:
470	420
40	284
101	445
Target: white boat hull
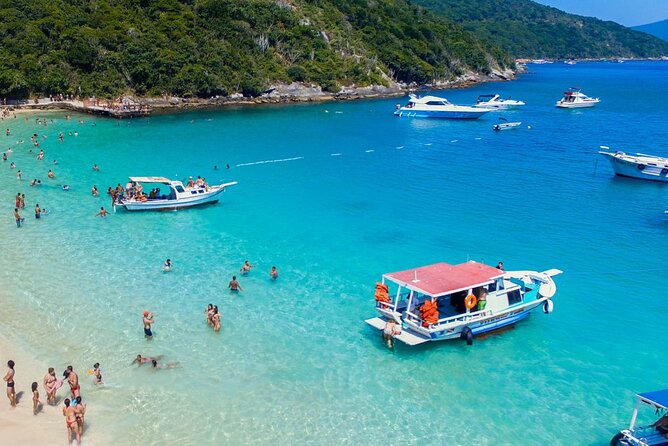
640	170
213	196
587	104
405	112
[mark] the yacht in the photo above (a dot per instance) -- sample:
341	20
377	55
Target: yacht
494	101
435	107
574	98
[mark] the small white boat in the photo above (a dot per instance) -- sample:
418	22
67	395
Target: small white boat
178	196
574	98
435	107
654	434
494	101
640	165
441	301
505	125
570	62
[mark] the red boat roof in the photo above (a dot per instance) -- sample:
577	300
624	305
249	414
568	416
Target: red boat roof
442	278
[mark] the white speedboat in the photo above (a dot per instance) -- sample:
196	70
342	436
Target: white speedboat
494	101
441	301
176	197
655	434
574	98
640	165
505	125
435	107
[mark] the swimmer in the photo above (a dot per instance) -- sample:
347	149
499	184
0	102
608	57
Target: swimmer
167	266
65	186
103	213
97	373
234	285
19	175
148	321
4	157
96	168
157	365
94	192
38	211
23	201
273	273
246	267
209	314
215	167
55	162
51	174
144	359
12	165
215	319
76	133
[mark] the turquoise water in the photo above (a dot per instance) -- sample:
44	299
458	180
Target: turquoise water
294	362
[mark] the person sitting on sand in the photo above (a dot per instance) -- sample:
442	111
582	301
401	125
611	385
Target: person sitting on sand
156	365
234	285
246	267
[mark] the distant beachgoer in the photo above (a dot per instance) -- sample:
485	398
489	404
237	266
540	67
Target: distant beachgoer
4	157
94	192
156	365
234	285
23	201
215	167
17	200
33	181
209	314
273	273
73	381
60	136
144	359
12	165
79	412
38	211
35	398
390	331
50	386
9	379
71	422
148	321
103	213
51	174
228	166
19	175
97	373
96	168
7	132
215	319
167	266
500	266
18	218
246	267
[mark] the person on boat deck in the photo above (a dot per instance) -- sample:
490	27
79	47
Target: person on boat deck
661	425
391	330
200	181
500	266
151	195
190	183
482	300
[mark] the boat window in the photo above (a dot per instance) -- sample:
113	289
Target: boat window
193	192
514	297
179	189
435	103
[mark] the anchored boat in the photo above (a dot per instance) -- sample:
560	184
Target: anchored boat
176	197
505	125
574	98
655	434
494	101
441	301
640	165
435	107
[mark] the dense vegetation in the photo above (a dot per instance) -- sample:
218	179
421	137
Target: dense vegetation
218	47
657	29
528	29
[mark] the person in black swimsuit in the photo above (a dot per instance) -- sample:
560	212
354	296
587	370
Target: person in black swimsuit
9	379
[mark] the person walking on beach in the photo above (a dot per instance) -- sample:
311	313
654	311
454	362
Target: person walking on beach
73	380
71	422
18	217
234	285
49	386
35	398
148	321
9	379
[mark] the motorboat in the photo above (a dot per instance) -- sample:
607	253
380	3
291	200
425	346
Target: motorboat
176	196
494	101
574	98
570	62
640	165
655	434
435	107
442	301
505	125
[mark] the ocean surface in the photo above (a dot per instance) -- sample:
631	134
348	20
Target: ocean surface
351	193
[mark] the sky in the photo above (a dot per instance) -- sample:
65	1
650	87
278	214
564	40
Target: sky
626	12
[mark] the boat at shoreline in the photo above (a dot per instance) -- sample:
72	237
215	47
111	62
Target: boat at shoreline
435	107
574	98
179	196
442	301
494	101
650	435
640	165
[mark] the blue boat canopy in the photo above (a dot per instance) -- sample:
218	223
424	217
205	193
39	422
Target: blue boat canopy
657	398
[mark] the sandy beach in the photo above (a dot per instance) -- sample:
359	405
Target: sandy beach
19	425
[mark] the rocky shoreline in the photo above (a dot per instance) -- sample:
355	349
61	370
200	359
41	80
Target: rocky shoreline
279	94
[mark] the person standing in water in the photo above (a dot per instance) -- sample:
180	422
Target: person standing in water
167	266
148	321
273	273
215	319
103	213
71	422
246	267
73	380
97	373
9	379
38	211
234	285
18	217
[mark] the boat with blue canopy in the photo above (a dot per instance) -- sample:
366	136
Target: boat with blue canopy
655	434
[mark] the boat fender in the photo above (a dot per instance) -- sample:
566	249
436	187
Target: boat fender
641	167
548	306
615	440
470	301
664	171
467	335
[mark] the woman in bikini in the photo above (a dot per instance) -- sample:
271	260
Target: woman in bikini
35	398
79	413
9	379
209	314
215	319
71	422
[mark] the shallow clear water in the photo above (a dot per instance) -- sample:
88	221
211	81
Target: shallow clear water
294	362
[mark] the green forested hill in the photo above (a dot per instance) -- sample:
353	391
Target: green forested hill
207	47
528	29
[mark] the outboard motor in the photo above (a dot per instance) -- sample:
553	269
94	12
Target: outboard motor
467	335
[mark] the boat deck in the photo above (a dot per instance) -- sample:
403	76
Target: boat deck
404	336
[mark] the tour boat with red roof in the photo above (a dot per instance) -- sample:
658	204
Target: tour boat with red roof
442	301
